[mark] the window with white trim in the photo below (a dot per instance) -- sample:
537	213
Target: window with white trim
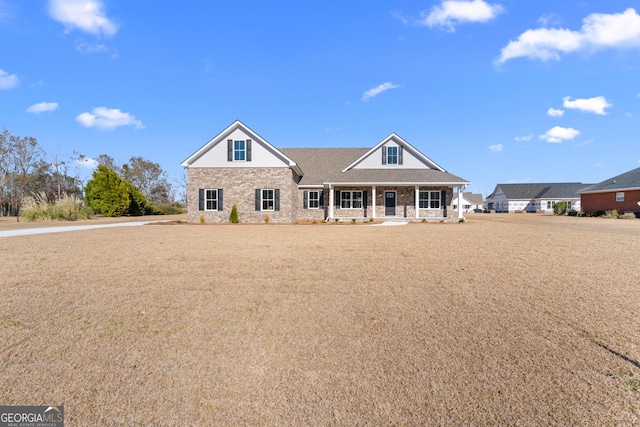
210	200
351	199
392	155
429	200
620	196
267	199
314	200
239	150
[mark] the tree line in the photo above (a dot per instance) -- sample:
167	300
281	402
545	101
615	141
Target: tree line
26	170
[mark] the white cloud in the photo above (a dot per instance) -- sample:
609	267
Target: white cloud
495	148
452	12
86	162
378	90
599	31
85	15
555	113
42	107
89	48
559	134
7	81
524	138
592	105
108	118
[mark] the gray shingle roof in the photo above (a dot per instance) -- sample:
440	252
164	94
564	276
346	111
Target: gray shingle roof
623	181
548	190
321	165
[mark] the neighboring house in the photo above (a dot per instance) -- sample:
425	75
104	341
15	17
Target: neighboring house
470	202
621	193
392	180
540	197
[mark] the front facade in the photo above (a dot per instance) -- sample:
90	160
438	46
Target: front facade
538	197
621	193
390	181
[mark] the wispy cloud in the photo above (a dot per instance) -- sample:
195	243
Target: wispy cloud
108	118
7	81
595	105
42	107
495	148
371	93
86	162
524	138
558	134
453	12
7	11
599	31
555	113
85	15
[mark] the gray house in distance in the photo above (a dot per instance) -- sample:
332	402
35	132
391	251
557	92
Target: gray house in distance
391	180
538	197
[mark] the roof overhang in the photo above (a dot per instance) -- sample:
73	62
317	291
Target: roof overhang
610	190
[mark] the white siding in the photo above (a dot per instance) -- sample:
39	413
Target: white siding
261	157
374	160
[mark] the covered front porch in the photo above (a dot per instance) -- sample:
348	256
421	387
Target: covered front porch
392	202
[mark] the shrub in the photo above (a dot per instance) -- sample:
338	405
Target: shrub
628	215
353	220
233	217
201	219
267	219
560	208
612	214
164	209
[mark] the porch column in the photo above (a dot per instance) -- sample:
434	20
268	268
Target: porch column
373	201
330	201
460	190
417	201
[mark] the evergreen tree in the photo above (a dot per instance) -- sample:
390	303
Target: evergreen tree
107	193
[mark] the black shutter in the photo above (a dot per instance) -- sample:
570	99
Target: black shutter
276	202
230	150
337	201
220	199
400	154
384	155
321	202
364	200
201	199
306	199
443	201
248	147
257	199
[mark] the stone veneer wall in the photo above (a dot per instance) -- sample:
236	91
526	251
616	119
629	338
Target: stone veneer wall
312	214
238	185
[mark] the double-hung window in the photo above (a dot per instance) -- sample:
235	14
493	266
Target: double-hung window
429	200
392	155
239	153
620	196
267	199
314	200
351	199
210	199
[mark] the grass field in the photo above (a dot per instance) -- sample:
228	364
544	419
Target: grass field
504	320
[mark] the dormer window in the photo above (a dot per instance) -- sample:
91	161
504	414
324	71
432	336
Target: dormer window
239	150
392	155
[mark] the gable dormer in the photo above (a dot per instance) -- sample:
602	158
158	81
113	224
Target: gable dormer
236	147
393	152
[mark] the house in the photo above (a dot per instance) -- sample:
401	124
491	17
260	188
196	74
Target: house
540	197
392	180
470	202
621	193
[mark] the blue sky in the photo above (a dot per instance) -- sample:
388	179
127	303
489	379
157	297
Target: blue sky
493	91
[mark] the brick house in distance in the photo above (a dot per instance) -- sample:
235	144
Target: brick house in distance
621	193
392	180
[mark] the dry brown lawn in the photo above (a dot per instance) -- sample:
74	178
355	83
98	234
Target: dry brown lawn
505	320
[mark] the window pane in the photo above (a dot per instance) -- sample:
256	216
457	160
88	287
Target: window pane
345	199
211	200
314	199
267	200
